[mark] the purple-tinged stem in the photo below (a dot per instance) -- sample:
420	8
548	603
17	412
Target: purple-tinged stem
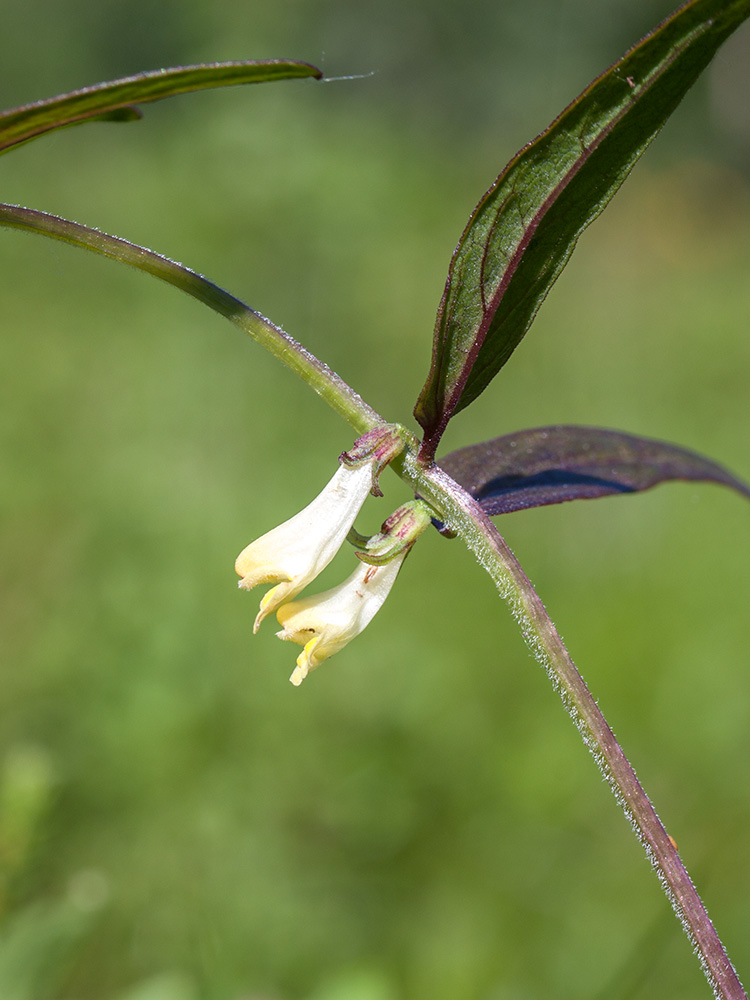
462	514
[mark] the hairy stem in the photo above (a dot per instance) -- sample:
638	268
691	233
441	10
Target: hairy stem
333	389
463	515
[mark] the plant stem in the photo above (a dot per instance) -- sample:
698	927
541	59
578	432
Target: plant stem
465	516
333	389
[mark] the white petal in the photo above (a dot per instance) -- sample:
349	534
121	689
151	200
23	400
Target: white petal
294	553
325	623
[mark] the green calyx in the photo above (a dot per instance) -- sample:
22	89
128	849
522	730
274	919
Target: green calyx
378	446
397	534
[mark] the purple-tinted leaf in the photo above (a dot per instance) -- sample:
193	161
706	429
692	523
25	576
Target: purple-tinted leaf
114	101
525	228
549	465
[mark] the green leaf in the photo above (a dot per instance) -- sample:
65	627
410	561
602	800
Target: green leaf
547	465
114	101
525	228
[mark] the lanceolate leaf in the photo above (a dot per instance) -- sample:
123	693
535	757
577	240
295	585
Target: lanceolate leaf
115	101
525	228
549	465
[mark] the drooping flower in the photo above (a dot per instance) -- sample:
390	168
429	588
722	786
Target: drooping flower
325	623
294	553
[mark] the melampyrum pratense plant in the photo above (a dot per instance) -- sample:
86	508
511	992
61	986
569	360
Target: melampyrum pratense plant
514	246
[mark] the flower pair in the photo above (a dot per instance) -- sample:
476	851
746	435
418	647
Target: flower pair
293	554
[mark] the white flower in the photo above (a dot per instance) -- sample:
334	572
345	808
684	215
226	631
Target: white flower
293	554
325	623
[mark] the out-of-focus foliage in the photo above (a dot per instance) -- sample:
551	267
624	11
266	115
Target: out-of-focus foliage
421	819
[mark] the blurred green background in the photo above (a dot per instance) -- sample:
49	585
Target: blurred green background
420	819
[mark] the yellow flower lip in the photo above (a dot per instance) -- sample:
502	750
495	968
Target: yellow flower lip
325	623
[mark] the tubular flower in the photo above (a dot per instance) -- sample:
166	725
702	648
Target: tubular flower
325	623
293	554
